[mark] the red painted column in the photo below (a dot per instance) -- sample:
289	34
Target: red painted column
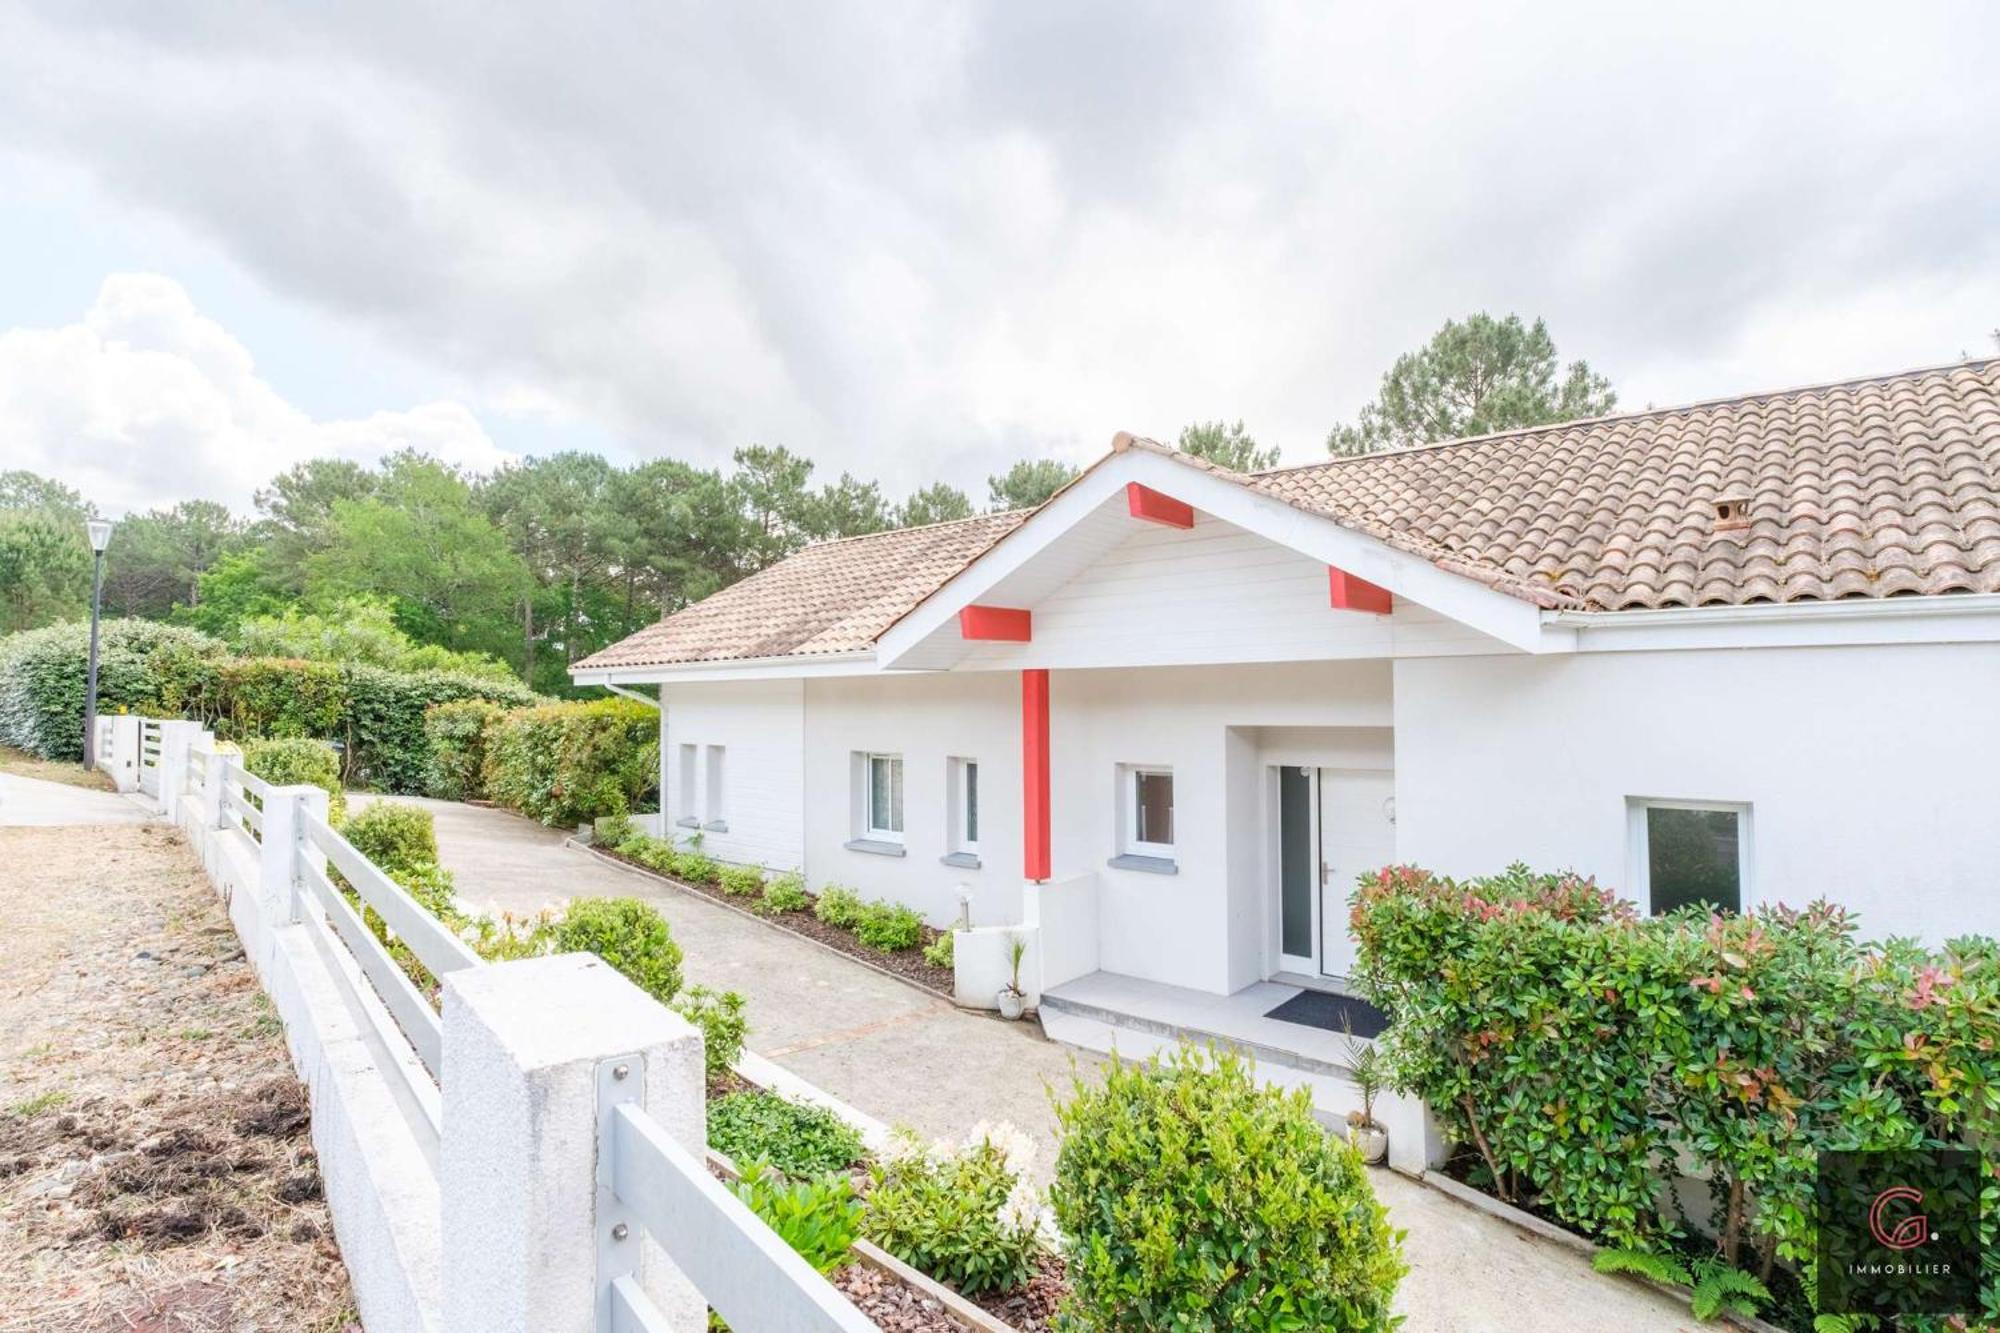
1035	773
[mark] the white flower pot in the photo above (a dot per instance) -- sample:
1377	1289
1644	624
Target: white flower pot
1371	1141
1012	1003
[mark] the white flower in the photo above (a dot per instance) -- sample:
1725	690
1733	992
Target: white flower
1016	1148
1022	1209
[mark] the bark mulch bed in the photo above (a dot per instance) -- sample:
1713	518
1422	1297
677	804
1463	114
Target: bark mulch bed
891	1303
1030	1308
908	964
156	1170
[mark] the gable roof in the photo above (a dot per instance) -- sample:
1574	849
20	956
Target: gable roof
1868	488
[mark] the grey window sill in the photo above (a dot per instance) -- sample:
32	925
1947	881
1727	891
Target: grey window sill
962	860
686	822
717	826
876	847
1150	865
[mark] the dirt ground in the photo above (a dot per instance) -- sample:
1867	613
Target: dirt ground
156	1174
22	764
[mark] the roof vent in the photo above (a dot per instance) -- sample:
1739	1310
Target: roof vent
1732	513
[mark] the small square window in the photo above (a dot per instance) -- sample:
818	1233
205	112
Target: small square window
884	803
1147	818
1686	853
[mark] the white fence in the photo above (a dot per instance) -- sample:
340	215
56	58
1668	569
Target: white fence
520	1148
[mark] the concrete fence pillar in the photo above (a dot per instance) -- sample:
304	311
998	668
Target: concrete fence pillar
215	776
284	843
121	756
175	740
525	1046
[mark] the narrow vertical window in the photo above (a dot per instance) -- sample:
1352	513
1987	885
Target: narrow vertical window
714	814
961	794
1146	813
885	797
686	800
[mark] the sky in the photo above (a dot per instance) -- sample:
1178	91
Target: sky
920	241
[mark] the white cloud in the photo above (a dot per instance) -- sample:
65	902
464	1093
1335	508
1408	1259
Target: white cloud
145	401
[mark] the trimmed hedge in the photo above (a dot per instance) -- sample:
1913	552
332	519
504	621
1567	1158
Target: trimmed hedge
383	724
1571	1044
43	674
396	837
284	763
630	935
570	762
455	734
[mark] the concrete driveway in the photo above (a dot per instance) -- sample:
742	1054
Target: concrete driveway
26	802
906	1057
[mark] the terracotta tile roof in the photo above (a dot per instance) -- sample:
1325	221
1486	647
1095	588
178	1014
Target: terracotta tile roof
1871	488
832	597
1882	487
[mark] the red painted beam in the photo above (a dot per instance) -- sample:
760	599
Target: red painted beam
1005	624
1151	505
1358	594
1035	773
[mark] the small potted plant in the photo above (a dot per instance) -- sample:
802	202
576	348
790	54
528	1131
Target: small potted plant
1012	999
1364	1131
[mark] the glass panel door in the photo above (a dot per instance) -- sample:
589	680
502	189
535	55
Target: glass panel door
1298	870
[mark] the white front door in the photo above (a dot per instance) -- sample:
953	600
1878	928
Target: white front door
1357	821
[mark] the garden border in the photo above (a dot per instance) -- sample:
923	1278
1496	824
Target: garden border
1522	1220
749	915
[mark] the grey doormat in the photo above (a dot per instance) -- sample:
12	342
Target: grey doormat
1318	1009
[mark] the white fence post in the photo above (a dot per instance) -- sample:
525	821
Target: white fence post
525	1045
175	738
284	837
215	778
121	755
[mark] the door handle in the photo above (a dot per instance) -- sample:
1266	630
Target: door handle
1325	874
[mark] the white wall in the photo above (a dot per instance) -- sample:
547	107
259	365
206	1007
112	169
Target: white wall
1869	770
761	725
927	719
1207	594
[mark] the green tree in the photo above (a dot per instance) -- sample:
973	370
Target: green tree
44	557
21	490
1482	375
771	486
235	588
677	533
1226	445
937	503
423	543
848	508
1028	483
556	515
156	561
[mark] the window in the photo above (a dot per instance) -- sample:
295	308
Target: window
961	782
1148	817
712	792
884	803
685	808
1689	852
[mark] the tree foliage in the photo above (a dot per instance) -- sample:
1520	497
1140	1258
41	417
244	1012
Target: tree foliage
1226	444
1028	483
1479	375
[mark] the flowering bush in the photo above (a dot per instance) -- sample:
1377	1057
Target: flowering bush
719	1015
966	1215
1574	1045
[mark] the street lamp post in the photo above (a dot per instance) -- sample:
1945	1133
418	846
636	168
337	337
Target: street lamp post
100	537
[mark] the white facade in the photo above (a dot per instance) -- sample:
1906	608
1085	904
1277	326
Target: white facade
1846	743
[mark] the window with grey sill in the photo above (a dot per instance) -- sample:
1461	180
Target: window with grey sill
960	860
1146	865
876	847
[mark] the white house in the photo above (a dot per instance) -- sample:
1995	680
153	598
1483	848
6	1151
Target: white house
1746	651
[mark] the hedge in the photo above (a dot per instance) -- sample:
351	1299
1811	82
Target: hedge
1570	1044
292	760
377	715
570	762
455	737
43	674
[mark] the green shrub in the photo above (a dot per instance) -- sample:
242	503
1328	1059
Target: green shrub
431	885
941	952
247	697
285	763
394	835
1190	1197
383	724
798	1138
889	927
787	893
839	905
455	736
43	674
1742	1045
630	935
719	1015
693	867
968	1216
570	762
740	881
818	1218
653	853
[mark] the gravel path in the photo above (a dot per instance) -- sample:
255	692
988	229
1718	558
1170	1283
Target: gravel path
155	1168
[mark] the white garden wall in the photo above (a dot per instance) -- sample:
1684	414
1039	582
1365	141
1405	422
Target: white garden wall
1868	770
760	726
